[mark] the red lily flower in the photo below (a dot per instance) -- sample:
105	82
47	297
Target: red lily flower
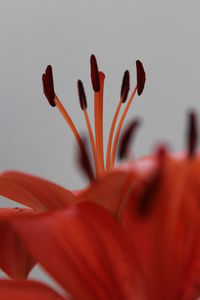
110	186
150	250
152	253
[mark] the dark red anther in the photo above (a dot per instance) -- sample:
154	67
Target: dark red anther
81	94
84	160
125	86
192	134
125	139
161	153
94	73
149	195
44	85
48	85
141	77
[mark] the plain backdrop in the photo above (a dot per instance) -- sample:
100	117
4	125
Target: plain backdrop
164	34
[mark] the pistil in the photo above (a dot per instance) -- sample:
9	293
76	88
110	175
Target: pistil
98	87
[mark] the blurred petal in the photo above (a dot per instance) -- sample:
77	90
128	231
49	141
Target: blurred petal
166	238
110	191
188	233
15	261
26	290
151	231
84	249
34	192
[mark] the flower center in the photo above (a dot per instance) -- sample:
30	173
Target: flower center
96	139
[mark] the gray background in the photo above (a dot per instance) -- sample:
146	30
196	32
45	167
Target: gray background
164	34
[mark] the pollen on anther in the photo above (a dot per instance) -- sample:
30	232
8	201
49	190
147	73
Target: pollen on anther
94	73
82	96
125	86
141	77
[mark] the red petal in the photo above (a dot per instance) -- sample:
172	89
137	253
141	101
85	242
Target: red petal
84	249
26	290
33	191
151	233
166	240
15	261
110	191
190	279
189	233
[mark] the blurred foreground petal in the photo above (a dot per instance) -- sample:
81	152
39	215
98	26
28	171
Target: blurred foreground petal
34	192
15	260
26	290
83	248
110	191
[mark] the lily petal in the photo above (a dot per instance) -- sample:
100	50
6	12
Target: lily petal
165	238
110	191
87	254
26	290
34	192
15	261
189	233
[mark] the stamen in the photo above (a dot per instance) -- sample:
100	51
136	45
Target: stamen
152	187
94	73
192	134
148	197
82	96
161	153
120	126
141	77
67	118
84	161
97	79
53	99
124	93
126	138
98	116
48	85
125	86
76	134
83	104
45	90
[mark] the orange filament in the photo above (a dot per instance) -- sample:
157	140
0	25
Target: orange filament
98	115
67	118
69	121
120	126
111	135
97	164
